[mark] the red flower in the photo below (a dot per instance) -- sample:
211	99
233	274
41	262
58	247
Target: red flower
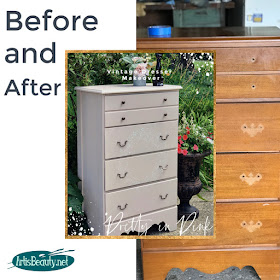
185	137
185	152
188	132
179	145
179	137
195	147
181	142
187	128
179	150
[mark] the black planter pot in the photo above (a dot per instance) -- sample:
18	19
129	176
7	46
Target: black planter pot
189	183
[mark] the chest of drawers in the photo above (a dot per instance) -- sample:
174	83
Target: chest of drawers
127	156
247	139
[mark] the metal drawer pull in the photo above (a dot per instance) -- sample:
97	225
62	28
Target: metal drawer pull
119	206
163	197
121	177
123	119
253	59
120	144
165	99
164	138
165	115
253	86
123	102
163	168
252	130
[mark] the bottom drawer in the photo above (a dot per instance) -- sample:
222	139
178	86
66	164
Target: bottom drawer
236	224
157	264
143	222
139	200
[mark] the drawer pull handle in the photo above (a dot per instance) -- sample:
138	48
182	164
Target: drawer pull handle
121	177
122	145
165	99
251	227
164	138
123	119
119	206
253	86
250	179
163	197
123	102
163	168
252	130
165	115
253	59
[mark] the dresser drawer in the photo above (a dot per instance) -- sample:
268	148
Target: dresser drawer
247	86
142	100
143	223
247	176
157	264
236	224
129	117
120	173
139	200
247	59
248	127
139	139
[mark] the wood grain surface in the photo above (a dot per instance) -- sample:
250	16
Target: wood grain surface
248	176
248	86
230	230
157	264
234	132
247	59
248	78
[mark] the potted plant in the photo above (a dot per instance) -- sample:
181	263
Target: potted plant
139	66
194	143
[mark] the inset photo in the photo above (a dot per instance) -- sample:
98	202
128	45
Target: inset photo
140	144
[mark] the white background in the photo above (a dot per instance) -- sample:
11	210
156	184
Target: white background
32	141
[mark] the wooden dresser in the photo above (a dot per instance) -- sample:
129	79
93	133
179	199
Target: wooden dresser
127	156
247	160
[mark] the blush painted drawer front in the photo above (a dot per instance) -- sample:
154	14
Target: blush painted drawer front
247	86
143	223
248	127
143	100
247	59
120	173
129	117
139	200
139	139
236	224
244	176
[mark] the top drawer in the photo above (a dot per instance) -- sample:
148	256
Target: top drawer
143	100
247	59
